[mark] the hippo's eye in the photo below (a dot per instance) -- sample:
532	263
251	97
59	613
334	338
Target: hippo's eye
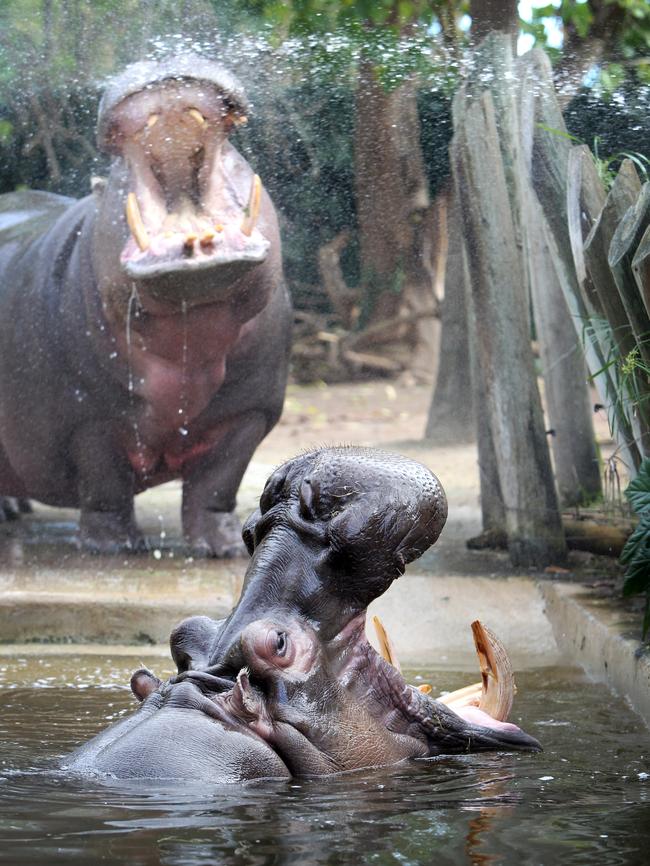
281	644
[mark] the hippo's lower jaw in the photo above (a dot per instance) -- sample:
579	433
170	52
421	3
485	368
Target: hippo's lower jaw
188	203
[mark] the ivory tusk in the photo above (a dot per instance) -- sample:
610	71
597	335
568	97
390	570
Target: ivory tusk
495	693
496	673
135	223
253	208
386	648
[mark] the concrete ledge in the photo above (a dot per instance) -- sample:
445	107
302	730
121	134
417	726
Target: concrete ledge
599	635
68	618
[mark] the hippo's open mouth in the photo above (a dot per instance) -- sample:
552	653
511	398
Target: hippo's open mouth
189	204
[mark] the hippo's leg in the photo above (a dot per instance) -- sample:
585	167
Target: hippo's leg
106	484
210	525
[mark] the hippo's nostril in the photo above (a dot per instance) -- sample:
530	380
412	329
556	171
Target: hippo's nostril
308	499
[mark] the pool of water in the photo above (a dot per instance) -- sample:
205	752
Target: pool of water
585	799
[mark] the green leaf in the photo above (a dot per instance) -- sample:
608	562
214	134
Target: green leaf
638	491
636	540
637	577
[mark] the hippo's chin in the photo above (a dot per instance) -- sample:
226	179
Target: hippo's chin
206	278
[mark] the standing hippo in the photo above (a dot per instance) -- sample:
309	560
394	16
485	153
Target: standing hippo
288	685
146	328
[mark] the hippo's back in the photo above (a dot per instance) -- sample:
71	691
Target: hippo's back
24	216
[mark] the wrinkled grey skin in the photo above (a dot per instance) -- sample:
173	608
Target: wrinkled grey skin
122	368
288	685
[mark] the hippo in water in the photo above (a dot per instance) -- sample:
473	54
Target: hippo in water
146	328
288	685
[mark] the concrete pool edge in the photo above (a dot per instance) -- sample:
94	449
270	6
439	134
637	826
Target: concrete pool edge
599	636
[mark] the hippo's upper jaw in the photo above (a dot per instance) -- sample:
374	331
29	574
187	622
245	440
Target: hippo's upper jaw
190	202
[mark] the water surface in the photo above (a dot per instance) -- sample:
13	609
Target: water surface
584	800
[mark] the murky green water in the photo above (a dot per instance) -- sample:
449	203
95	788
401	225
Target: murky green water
585	800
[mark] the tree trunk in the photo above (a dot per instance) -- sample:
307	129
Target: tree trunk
392	202
451	414
490	15
486	161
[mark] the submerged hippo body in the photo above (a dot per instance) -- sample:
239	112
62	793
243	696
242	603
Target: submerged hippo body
291	669
145	329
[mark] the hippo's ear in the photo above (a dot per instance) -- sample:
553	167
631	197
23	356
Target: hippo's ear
143	683
192	640
376	536
248	530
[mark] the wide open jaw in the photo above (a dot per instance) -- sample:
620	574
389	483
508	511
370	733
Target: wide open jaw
191	201
288	673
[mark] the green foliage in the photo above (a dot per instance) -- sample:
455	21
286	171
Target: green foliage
636	553
607	166
627	36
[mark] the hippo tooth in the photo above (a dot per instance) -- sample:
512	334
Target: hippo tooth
386	648
496	673
467	696
253	207
135	223
196	114
188	244
496	691
152	120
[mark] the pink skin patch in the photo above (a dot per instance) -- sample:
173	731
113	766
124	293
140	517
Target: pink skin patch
478	717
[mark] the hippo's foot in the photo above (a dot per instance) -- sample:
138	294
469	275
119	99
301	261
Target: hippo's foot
215	534
11	508
107	532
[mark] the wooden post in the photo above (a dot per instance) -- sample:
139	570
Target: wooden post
641	268
622	195
569	409
568	403
550	157
625	242
483	160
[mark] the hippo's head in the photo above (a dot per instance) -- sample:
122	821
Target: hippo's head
333	530
185	202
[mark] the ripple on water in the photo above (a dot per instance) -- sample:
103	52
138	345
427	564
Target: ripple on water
583	800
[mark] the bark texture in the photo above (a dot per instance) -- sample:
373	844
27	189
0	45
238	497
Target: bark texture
488	172
451	414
